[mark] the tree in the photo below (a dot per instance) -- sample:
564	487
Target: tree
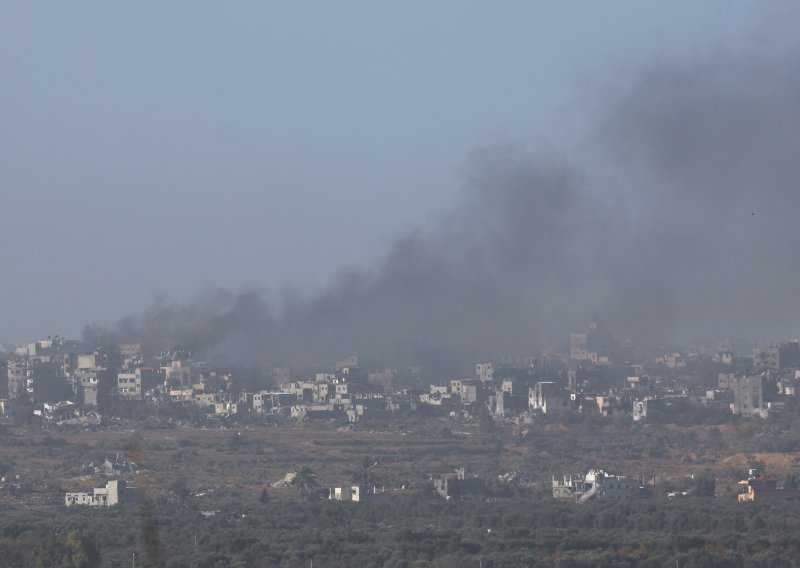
81	550
49	552
486	424
363	472
76	550
704	486
305	480
264	498
180	488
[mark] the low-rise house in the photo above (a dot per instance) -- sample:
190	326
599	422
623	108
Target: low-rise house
62	410
434	399
506	404
384	378
323	392
272	402
317	412
457	485
177	373
227	408
723	357
204	400
302	390
549	398
596	484
468	390
758	488
674	360
112	494
724	380
640	385
358	493
607	404
181	395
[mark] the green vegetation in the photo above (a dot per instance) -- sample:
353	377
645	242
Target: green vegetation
184	470
305	480
410	531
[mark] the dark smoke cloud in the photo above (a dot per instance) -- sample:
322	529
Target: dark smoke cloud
711	154
682	220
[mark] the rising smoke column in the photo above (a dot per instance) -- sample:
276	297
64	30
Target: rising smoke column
679	219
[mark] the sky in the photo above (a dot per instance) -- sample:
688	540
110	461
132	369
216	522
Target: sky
172	148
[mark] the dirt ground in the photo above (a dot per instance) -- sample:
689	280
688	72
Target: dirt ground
250	458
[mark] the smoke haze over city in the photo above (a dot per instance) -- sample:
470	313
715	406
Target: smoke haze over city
671	214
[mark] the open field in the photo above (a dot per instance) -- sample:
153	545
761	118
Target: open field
250	457
225	470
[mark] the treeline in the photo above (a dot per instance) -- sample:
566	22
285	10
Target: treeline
408	531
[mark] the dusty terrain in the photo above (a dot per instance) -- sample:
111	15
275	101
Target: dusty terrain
40	463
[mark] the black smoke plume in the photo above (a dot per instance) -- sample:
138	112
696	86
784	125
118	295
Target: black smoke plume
681	217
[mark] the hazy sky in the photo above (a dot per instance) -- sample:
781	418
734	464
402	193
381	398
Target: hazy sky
170	146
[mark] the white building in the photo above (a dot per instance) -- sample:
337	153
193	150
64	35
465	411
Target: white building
357	493
596	484
108	496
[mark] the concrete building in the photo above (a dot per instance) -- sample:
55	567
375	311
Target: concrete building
128	386
594	345
766	358
87	361
789	355
349	362
507	404
468	390
640	409
549	398
87	385
357	493
45	381
748	396
673	360
112	494
723	357
132	385
17	374
774	358
597	484
458	486
177	374
484	372
607	404
272	402
760	488
130	349
434	399
578	347
281	375
724	380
